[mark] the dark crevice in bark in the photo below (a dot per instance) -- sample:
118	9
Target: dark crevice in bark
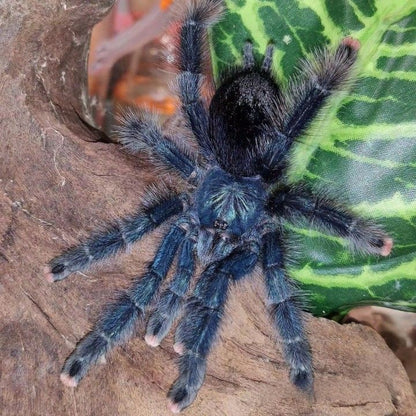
99	135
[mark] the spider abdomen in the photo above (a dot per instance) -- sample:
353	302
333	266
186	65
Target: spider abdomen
243	106
226	203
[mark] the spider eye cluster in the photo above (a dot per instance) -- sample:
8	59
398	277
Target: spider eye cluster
220	224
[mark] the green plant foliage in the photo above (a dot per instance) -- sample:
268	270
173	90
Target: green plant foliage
362	146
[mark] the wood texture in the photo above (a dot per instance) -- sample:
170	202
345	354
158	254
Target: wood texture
57	182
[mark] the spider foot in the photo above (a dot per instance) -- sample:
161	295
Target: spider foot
68	381
89	351
191	376
302	378
351	43
180	397
379	244
72	260
162	318
152	340
179	348
55	272
48	274
72	373
387	246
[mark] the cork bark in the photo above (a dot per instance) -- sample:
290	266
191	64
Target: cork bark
60	179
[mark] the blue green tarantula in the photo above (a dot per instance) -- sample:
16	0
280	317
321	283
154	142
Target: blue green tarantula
231	215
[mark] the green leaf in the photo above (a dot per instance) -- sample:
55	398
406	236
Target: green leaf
363	144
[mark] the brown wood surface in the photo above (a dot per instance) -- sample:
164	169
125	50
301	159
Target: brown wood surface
57	182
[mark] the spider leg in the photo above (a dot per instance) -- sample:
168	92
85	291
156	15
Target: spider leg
170	302
268	58
203	312
307	93
248	56
323	75
199	16
118	321
113	238
363	234
285	312
141	132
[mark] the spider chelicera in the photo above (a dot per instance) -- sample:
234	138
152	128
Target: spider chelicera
231	215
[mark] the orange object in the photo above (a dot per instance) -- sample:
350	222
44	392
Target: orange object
144	92
164	4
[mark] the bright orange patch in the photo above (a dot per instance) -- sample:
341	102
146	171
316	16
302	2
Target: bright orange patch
164	4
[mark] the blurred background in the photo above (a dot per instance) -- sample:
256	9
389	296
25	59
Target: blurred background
130	64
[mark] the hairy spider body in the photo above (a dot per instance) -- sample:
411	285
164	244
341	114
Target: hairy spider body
228	203
231	216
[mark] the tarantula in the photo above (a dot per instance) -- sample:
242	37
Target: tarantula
230	217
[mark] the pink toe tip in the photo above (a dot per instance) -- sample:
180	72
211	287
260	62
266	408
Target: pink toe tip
152	340
388	245
179	348
102	360
352	43
48	274
174	407
68	381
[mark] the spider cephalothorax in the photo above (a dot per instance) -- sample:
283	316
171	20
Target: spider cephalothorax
231	215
